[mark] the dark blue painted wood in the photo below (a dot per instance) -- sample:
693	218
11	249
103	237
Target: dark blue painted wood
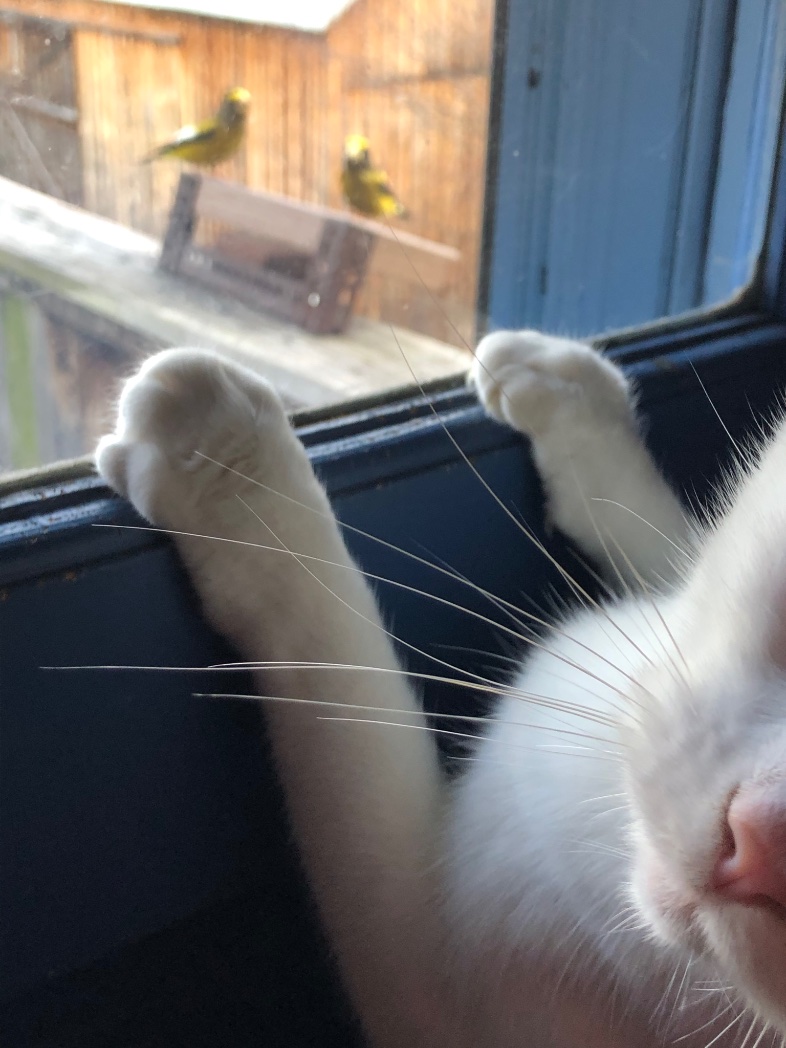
635	158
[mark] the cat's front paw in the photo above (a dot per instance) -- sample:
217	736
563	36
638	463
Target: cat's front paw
186	422
525	379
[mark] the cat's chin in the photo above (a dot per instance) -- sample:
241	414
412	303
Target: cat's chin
743	947
749	947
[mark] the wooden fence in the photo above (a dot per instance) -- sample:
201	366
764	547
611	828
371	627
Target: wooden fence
411	74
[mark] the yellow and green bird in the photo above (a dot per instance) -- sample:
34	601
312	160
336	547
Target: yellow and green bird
365	187
213	140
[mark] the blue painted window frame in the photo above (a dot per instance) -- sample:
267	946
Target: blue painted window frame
633	188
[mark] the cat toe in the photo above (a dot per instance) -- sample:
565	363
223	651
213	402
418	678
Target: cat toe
188	421
524	377
110	461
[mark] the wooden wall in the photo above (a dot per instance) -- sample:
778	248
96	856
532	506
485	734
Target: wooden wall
411	74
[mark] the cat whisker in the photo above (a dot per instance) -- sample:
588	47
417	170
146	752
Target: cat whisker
533	698
421	560
301	559
644	588
750	1032
579	591
711	1022
718	1036
660	1010
615	567
680	996
602	797
306	557
631	922
737	448
653	603
496	600
378	722
581	938
683	552
470	718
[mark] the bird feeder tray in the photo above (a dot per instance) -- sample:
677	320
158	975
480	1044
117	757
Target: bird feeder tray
297	261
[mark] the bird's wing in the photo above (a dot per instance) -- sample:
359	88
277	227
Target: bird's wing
379	180
193	133
186	136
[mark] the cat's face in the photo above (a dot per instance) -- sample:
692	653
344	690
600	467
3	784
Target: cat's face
707	776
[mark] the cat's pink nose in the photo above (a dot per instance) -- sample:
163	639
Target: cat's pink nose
752	866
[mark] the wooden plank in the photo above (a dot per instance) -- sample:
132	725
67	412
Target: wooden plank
398	253
335	276
266	215
108	274
180	228
51	25
49	110
408	258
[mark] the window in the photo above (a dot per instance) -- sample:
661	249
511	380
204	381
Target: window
631	148
260	256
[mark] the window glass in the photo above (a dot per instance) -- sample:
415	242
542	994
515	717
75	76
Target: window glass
323	222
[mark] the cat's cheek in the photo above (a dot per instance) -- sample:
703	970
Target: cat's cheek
749	947
670	909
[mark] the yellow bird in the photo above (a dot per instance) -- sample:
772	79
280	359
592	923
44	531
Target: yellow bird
365	187
213	140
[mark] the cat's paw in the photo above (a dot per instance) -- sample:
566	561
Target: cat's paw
525	379
186	421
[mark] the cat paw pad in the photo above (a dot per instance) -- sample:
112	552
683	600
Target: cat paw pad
183	409
524	377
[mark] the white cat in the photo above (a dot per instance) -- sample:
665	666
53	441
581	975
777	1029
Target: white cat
611	868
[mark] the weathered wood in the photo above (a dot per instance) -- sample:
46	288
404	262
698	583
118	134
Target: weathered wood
334	277
266	215
38	107
182	220
300	262
300	225
49	110
101	280
54	24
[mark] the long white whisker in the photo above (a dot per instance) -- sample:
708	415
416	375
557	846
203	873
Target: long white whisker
532	641
732	441
653	603
444	731
470	718
718	1036
302	557
627	509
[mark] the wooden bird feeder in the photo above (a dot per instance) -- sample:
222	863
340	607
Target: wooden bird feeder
300	262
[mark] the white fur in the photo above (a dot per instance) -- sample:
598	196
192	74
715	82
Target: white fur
556	895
